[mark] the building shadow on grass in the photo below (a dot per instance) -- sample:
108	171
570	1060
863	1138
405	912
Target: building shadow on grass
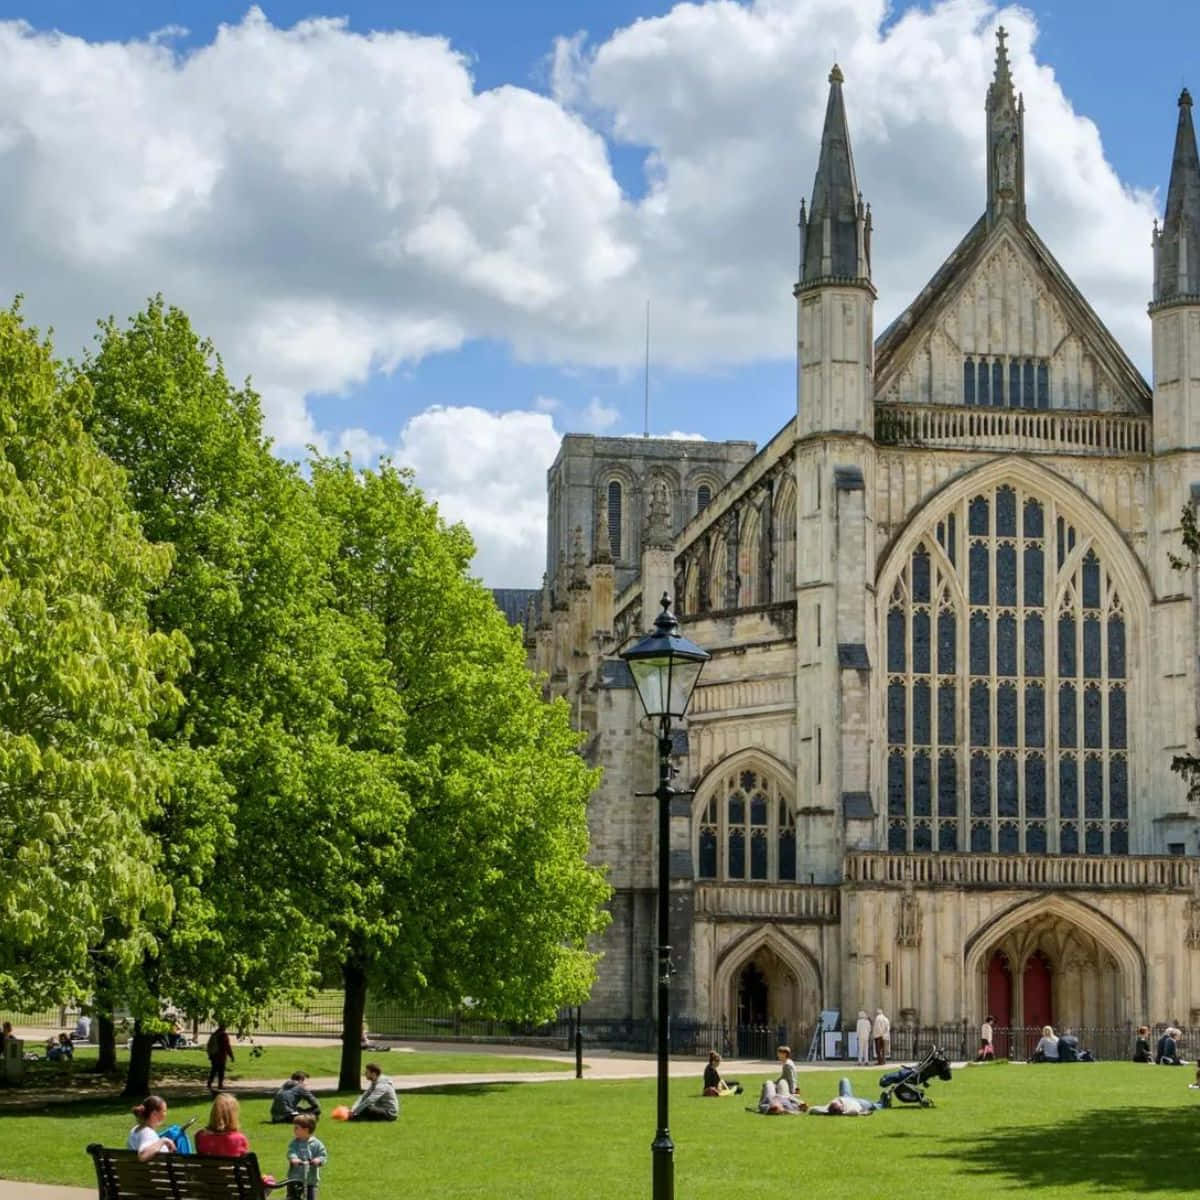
1112	1149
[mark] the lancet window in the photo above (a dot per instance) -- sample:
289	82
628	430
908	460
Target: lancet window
747	831
1004	382
614	518
1007	714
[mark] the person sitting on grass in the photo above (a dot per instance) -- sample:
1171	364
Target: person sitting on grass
1166	1053
61	1050
787	1068
292	1098
143	1137
378	1102
845	1104
1141	1046
777	1100
306	1156
714	1085
223	1136
1047	1048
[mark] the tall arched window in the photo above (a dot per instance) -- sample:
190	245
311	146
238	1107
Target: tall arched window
1006	702
783	574
747	831
614	518
703	496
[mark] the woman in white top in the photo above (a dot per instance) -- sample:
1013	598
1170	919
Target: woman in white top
863	1030
143	1138
1047	1049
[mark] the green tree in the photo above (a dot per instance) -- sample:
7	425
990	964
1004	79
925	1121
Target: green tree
489	894
82	677
1187	766
273	672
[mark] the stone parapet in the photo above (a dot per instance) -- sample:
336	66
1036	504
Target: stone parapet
1142	873
799	902
1052	431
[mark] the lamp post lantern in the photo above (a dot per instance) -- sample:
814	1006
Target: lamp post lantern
665	667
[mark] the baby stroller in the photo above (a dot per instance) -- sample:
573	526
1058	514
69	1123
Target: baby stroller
907	1084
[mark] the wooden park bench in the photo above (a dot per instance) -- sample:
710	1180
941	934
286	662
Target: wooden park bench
176	1176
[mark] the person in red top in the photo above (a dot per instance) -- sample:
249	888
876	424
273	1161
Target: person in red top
223	1136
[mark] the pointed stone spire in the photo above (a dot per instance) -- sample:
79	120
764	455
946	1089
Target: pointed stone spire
1005	141
1177	243
835	243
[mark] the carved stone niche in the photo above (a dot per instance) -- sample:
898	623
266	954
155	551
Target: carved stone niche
1193	929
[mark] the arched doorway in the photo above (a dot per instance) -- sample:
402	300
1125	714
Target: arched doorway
754	1038
752	996
1055	962
999	1000
1037	989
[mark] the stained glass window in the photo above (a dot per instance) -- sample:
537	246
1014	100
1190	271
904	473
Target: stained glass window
1030	732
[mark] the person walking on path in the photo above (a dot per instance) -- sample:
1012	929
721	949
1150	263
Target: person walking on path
863	1032
219	1051
986	1049
881	1031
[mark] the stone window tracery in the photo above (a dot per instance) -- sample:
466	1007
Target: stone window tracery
1007	722
1001	381
747	831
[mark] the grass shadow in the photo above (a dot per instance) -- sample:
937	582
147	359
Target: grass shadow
1119	1149
461	1089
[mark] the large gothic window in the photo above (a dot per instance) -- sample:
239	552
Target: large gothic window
747	831
1007	688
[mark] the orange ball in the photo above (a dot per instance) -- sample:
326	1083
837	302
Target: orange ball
341	1113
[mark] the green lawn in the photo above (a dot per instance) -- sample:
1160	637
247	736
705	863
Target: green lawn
1114	1130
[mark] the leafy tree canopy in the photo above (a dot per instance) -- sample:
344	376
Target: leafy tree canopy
82	678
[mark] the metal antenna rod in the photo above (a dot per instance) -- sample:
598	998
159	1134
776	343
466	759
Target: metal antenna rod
646	378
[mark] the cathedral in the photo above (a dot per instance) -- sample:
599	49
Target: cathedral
929	761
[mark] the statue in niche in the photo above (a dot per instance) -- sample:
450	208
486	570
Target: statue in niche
908	923
1193	930
1005	151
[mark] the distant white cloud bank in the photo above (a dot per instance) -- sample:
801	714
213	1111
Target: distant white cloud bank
327	204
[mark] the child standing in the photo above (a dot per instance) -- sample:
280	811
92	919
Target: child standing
306	1156
787	1068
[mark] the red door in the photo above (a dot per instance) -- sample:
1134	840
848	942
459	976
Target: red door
999	1000
1036	991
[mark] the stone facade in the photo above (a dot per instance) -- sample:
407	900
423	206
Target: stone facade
951	660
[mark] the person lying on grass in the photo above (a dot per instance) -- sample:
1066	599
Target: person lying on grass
378	1102
845	1104
776	1100
143	1137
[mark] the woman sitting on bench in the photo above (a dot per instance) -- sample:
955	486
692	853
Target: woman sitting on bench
143	1137
223	1136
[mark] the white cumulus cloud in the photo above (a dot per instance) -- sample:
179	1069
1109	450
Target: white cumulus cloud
488	470
328	205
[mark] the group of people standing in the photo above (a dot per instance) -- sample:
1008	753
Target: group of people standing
874	1037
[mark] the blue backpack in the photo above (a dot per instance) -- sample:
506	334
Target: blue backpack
179	1135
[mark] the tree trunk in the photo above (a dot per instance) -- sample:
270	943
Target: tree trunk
354	1006
137	1080
106	1043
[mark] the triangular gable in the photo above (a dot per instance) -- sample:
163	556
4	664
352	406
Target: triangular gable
1001	298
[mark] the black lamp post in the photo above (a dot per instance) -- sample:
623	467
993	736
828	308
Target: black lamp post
665	667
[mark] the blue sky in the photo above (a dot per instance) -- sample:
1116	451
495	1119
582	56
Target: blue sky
443	251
